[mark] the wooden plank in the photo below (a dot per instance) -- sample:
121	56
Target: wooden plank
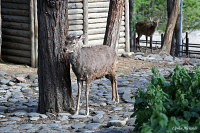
15	6
20	33
36	33
75	22
75	11
85	21
16	12
74	1
97	10
76	17
14	59
75	27
97	25
80	32
98	5
14	25
98	0
19	19
102	30
101	36
32	29
127	25
17	46
16	39
120	51
100	42
97	15
17	1
100	20
14	52
75	5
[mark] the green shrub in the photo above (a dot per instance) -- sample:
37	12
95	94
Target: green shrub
170	104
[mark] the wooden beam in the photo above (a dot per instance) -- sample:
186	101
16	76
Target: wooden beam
36	33
21	60
17	46
13	32
14	25
16	12
17	1
14	52
85	21
15	6
127	25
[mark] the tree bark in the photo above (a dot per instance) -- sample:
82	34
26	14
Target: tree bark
55	92
170	28
113	23
131	24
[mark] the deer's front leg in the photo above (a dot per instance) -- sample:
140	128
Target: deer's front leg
151	38
80	83
87	96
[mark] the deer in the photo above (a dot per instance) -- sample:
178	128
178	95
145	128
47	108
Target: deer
147	29
90	63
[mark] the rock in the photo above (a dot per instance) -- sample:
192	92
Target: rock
78	126
117	123
139	53
98	118
4	81
24	85
10	83
168	58
79	116
17	95
43	116
92	126
127	97
99	112
6	129
27	91
63	118
33	114
3	108
127	54
34	118
15	119
131	122
2	74
109	131
19	113
64	114
25	126
54	125
20	79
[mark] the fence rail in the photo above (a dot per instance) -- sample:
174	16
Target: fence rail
187	48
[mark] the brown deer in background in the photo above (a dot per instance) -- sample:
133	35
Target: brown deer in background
147	29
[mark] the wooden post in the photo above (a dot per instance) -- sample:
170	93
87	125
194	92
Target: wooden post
32	30
162	39
0	32
85	21
127	35
187	45
36	33
131	24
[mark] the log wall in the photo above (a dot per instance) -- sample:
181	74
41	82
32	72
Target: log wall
89	17
19	41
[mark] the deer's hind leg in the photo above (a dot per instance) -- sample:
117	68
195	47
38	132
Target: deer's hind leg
138	42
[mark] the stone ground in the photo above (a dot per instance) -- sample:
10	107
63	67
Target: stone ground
19	98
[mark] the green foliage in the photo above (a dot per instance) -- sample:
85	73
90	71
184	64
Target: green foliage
170	104
144	9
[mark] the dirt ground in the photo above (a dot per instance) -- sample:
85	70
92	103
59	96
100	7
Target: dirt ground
125	65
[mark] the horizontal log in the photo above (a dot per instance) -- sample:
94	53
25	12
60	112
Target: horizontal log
75	5
102	30
20	33
16	39
74	1
19	19
98	0
97	25
17	1
15	6
100	20
80	32
101	36
98	5
17	46
76	17
97	15
14	59
75	11
14	52
75	27
100	42
121	46
14	25
120	51
97	10
75	22
16	12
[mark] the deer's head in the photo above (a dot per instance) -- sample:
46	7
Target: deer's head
155	22
73	43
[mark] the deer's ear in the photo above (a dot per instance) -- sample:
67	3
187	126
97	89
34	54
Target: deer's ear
69	37
158	20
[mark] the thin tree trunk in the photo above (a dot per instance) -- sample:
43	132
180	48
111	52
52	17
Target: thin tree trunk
113	23
170	29
0	33
55	93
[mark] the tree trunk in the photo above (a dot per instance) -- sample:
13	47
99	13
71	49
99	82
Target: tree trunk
131	24
170	28
0	33
113	23
55	92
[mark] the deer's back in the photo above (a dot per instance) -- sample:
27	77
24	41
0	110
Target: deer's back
144	28
97	61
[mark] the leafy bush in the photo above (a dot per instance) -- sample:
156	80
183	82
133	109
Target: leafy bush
170	104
